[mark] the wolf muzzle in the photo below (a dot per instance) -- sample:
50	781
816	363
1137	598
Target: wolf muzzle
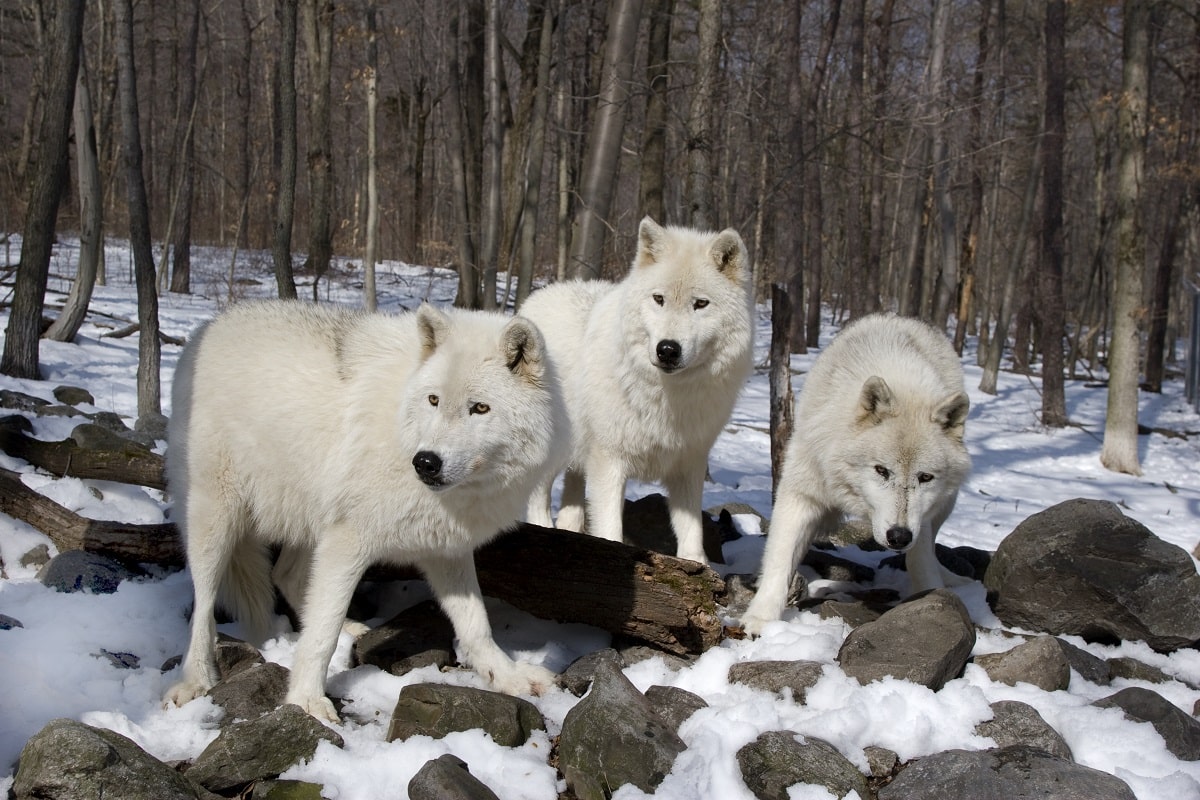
428	465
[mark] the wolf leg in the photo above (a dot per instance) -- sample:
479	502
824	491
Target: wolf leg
605	497
338	563
571	516
537	510
794	521
685	491
456	587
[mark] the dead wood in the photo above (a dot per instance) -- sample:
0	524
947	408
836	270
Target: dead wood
127	464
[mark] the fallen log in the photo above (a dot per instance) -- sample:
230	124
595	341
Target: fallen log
665	602
123	461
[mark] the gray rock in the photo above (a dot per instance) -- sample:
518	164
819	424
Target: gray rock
1014	722
637	653
882	762
7	623
1179	730
778	759
251	692
67	760
36	556
260	748
77	571
433	709
1084	568
775	676
91	436
19	401
926	640
852	612
1090	668
836	568
417	637
577	677
73	395
613	737
1134	670
647	524
447	778
286	790
673	704
1002	774
1040	662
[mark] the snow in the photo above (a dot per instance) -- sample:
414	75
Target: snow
55	666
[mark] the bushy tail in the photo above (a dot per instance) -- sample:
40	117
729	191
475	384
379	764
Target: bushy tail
247	592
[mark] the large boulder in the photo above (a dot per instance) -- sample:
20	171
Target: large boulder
1084	568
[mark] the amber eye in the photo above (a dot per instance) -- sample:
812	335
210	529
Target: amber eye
699	304
658	298
883	471
924	477
480	408
433	400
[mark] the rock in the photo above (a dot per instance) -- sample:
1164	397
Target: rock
37	556
926	640
1040	661
417	637
647	524
577	677
613	737
67	760
19	401
447	778
77	570
261	748
286	790
852	612
779	759
251	692
1006	772
91	436
1014	722
831	567
775	676
1084	568
1090	668
882	762
7	623
673	704
1179	730
1134	670
73	396
636	653
433	709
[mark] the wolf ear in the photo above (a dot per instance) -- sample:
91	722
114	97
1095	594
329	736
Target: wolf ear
650	242
729	254
951	413
432	325
876	402
524	349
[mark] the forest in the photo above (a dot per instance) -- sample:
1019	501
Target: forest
1024	172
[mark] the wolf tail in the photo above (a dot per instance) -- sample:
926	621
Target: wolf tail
247	592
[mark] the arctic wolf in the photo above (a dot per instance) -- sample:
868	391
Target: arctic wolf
350	439
879	434
651	368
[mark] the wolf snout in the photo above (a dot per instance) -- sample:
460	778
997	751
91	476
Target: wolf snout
669	353
428	465
899	537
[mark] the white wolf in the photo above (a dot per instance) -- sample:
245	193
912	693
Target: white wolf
651	367
349	439
879	434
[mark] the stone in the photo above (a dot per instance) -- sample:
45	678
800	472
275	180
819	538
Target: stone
251	692
1014	722
1178	729
434	709
77	571
1040	662
779	759
674	705
417	637
775	676
447	778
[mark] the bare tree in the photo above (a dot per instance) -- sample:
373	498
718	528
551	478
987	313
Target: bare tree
1051	315
317	18
1119	452
181	207
700	122
285	204
535	154
20	358
654	137
372	79
493	216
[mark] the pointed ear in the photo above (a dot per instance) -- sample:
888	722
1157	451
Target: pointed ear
729	255
951	413
876	402
650	242
432	325
524	349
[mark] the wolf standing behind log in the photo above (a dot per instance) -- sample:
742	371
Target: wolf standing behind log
651	369
878	434
351	439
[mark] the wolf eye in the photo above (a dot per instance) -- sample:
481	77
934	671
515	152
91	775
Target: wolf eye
699	304
883	471
480	408
658	298
924	477
434	400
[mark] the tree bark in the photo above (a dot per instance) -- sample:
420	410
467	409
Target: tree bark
700	123
370	299
285	204
1050	303
652	179
181	247
535	156
317	19
782	399
493	215
124	462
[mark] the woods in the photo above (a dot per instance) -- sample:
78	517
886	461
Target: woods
1025	173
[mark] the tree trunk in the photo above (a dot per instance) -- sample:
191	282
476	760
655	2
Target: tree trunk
535	156
1120	452
285	204
1160	305
493	215
700	116
20	358
318	37
91	216
458	136
598	183
181	255
651	181
874	257
946	275
149	347
856	284
782	399
1050	310
369	298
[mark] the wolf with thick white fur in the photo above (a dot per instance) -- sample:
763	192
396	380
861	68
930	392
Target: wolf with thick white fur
349	439
651	369
878	434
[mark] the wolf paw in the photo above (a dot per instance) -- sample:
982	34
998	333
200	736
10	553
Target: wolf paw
320	707
523	678
183	693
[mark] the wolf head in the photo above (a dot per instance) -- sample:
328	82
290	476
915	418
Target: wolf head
483	406
908	458
688	298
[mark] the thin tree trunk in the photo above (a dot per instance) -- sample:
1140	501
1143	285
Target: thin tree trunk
285	205
947	222
369	297
782	400
493	216
181	209
1120	452
457	129
535	156
856	283
1050	289
874	257
318	36
1160	305
20	358
651	196
700	132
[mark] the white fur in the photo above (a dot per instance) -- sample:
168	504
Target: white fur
634	415
878	434
299	425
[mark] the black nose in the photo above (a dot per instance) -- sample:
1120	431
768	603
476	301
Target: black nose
427	464
899	537
669	351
